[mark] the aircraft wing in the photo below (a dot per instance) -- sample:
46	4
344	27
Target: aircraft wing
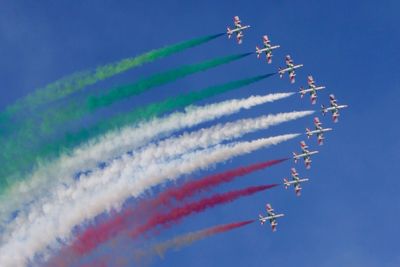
304	155
299	156
302	92
282	71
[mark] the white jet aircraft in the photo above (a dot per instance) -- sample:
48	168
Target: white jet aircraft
290	67
267	49
306	155
271	217
334	108
312	89
238	29
296	181
319	131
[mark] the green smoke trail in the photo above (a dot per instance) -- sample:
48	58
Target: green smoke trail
32	135
72	140
78	81
31	131
94	103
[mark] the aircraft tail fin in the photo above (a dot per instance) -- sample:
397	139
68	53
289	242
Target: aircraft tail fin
320	140
308	132
229	32
313	99
307	162
335	117
286	183
323	110
302	93
295	157
292	77
280	72
269	58
298	191
261	219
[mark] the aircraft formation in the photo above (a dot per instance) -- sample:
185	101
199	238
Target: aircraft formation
318	131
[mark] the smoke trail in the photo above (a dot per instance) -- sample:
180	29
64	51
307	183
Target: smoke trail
22	160
57	219
171	148
192	187
129	138
103	232
30	137
126	256
92	103
176	214
187	239
35	130
116	143
80	80
96	102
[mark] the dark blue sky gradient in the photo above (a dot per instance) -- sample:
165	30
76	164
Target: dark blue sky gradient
348	213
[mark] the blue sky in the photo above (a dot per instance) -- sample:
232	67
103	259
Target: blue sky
348	213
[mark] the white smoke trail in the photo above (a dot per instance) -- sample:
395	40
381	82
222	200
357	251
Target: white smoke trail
114	144
154	153
58	219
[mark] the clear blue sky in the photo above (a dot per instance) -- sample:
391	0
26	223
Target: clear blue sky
349	211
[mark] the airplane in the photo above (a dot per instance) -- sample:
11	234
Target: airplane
334	108
319	131
238	29
267	49
290	67
306	155
296	180
271	217
312	89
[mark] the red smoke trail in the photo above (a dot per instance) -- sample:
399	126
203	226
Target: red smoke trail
174	243
166	219
225	227
193	187
94	236
189	238
178	213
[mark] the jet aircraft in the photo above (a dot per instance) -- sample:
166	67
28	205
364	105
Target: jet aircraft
238	29
271	217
